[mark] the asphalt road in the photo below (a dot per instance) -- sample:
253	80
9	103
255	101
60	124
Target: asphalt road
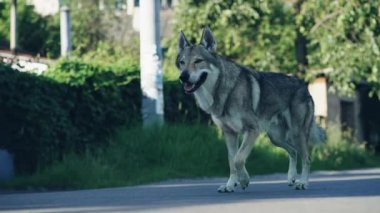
335	192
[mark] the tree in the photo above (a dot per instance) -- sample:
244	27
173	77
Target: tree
344	36
300	42
260	34
36	34
88	26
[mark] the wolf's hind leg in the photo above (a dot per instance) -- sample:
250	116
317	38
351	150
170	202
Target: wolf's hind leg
292	171
304	180
278	135
304	118
242	155
302	115
232	147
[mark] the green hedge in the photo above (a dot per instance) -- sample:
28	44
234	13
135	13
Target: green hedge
42	119
74	107
181	107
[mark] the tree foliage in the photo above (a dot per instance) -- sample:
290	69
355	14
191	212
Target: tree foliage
88	29
93	26
257	33
73	107
36	34
343	36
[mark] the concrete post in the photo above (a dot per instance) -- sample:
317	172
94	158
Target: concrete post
65	31
102	6
136	19
130	6
6	166
151	63
175	3
13	33
164	4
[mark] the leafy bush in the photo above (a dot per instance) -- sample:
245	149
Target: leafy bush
92	73
342	151
41	119
75	106
33	118
115	56
181	107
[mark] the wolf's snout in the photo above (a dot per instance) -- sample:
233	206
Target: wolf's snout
184	77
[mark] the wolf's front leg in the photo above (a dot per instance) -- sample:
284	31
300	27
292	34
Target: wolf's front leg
242	155
232	147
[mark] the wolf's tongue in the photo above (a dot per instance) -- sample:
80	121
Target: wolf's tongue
188	86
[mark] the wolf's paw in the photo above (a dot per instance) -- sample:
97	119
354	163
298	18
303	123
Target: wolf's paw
300	186
243	179
227	188
291	181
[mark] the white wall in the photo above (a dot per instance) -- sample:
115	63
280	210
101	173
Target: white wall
45	7
318	90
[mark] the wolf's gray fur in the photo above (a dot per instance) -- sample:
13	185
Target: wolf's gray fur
244	101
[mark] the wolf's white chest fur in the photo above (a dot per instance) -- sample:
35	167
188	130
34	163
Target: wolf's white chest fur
205	101
203	94
234	123
233	120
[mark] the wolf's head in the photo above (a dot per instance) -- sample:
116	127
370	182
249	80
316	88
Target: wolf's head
198	62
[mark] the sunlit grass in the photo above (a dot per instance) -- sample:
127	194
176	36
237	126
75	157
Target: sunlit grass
138	155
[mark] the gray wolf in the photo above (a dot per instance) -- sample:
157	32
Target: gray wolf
243	101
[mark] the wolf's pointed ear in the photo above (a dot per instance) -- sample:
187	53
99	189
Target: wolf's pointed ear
208	40
182	42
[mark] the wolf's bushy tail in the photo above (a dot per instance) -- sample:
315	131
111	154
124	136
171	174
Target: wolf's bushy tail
317	134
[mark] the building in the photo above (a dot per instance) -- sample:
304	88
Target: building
45	7
358	113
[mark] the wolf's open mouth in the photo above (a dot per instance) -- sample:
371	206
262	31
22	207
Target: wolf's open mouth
189	87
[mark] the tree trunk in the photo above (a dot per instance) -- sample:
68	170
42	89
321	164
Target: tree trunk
301	44
151	63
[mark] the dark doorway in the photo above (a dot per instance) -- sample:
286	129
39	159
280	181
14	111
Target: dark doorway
370	117
347	115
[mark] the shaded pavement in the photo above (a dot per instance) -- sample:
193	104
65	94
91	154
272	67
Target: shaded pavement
343	191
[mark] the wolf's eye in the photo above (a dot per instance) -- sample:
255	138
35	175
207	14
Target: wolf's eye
182	63
197	61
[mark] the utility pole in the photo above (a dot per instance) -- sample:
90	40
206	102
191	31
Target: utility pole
151	63
175	3
130	7
65	30
164	4
13	33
